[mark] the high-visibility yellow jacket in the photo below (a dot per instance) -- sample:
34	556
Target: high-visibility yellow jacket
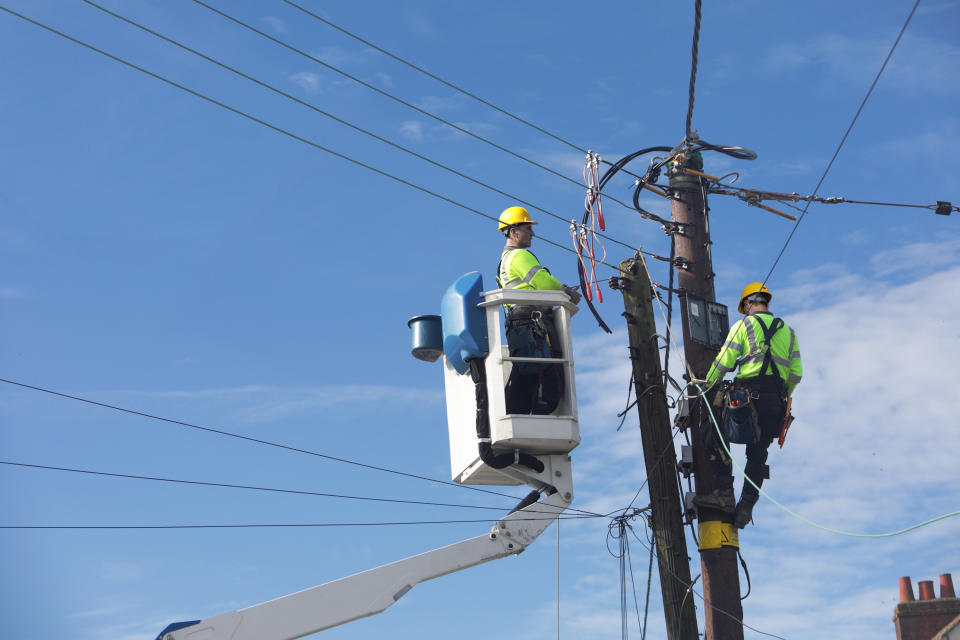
746	347
520	269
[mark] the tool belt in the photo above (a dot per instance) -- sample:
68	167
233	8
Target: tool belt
740	423
520	315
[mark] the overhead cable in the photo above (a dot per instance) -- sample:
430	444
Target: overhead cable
259	441
327	114
436	77
694	54
801	518
275	525
276	128
844	139
250	487
395	98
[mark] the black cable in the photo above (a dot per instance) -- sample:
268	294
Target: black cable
607	175
274	525
746	572
274	127
694	53
327	114
646	606
844	139
437	78
263	442
250	487
393	97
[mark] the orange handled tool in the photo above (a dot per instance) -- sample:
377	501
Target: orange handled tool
787	421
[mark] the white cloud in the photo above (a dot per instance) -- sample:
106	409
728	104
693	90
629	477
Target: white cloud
943	251
440	104
308	81
385	79
873	450
919	63
412	130
277	25
420	26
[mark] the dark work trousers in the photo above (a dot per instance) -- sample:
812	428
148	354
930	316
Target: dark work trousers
769	398
533	388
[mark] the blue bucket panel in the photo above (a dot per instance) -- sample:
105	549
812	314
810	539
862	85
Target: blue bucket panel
464	323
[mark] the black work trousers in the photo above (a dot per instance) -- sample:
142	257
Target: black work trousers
533	388
769	398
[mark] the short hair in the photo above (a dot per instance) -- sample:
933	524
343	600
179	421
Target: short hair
759	298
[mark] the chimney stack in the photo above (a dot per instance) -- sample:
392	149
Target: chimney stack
906	590
946	586
926	616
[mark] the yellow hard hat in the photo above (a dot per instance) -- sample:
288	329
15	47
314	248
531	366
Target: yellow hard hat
514	215
749	290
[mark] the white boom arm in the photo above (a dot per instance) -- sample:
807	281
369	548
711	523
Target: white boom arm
370	592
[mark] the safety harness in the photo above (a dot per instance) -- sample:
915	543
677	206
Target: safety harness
741	422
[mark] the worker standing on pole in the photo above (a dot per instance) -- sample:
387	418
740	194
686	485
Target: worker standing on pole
767	355
532	388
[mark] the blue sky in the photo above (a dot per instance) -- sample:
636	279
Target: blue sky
163	254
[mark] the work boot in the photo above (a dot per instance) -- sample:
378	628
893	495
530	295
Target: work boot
720	499
744	512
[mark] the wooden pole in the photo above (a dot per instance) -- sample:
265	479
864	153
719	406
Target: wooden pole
659	455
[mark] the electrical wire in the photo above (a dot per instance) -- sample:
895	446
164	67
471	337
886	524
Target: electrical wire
272	525
268	443
274	127
435	77
690	589
694	54
445	82
393	97
801	518
252	488
337	119
843	140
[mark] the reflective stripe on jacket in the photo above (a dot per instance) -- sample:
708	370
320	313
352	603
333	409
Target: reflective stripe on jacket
746	347
520	269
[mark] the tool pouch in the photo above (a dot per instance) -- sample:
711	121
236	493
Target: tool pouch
741	424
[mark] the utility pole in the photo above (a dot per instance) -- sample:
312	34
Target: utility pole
718	537
659	455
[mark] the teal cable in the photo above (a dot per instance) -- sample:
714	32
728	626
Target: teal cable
797	515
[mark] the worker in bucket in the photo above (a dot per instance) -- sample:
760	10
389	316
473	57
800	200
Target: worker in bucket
532	388
766	354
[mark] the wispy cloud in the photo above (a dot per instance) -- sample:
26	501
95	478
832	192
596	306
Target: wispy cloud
278	26
412	130
919	63
308	81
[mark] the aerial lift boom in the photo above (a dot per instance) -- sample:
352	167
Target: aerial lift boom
487	446
372	591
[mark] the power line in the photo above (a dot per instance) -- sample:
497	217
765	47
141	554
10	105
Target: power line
844	139
327	114
436	77
397	99
451	85
694	54
259	441
787	510
250	487
279	129
273	525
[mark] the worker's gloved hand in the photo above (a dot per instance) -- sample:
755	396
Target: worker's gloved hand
572	293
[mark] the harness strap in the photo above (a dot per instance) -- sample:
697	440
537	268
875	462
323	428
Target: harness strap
769	362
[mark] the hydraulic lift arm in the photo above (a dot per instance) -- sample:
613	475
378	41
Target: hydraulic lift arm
370	592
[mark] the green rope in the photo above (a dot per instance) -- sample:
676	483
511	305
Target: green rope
797	515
